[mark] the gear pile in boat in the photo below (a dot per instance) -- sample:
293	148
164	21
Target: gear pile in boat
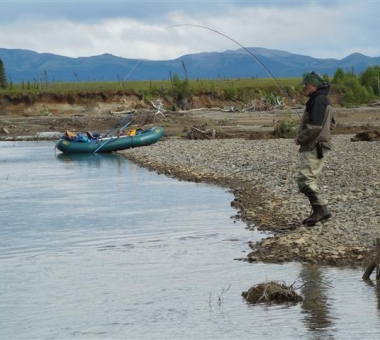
95	136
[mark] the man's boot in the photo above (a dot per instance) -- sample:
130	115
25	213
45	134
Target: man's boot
312	199
322	213
314	209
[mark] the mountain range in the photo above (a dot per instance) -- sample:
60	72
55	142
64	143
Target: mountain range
25	65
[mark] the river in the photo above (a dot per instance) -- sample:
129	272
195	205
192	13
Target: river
95	247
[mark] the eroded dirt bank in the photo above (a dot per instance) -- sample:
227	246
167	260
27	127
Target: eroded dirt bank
99	112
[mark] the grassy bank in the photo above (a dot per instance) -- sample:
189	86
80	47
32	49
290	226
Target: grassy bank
176	94
196	85
175	91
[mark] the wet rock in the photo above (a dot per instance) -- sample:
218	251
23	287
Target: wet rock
270	292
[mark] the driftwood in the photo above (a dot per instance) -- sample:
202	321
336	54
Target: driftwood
375	263
367	136
121	112
263	105
230	109
374	103
159	106
196	133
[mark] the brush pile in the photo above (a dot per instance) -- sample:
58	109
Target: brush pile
271	292
144	117
196	133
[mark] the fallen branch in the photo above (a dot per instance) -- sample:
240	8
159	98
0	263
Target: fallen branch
120	112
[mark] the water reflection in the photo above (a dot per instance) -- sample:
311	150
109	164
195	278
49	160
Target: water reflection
90	159
95	161
376	286
315	306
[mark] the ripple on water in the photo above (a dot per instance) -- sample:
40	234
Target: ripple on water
96	247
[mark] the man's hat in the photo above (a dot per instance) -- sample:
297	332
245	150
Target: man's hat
312	78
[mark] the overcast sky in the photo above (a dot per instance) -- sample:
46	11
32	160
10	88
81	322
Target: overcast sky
141	29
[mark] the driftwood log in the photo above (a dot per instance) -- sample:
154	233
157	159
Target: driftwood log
367	136
375	263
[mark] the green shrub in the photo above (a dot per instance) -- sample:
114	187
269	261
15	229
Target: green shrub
287	128
44	112
273	99
180	91
229	94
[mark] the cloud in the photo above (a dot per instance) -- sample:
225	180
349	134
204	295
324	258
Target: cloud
140	30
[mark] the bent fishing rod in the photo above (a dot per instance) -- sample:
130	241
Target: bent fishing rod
245	49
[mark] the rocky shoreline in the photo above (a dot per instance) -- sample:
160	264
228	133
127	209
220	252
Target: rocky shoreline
261	175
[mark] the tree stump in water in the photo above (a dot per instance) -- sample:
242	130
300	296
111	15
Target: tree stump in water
375	263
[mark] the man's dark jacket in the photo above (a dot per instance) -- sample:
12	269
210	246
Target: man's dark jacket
316	121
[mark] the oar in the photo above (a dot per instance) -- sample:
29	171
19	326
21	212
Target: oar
120	122
110	138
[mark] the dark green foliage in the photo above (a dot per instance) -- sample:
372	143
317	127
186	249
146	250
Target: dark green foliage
3	77
358	89
180	90
370	78
356	93
338	76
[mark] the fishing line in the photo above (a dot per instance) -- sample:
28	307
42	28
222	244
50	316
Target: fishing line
245	49
118	87
263	219
127	76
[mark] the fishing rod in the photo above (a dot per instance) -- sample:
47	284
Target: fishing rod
112	137
119	123
245	49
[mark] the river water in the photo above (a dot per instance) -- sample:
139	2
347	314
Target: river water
95	247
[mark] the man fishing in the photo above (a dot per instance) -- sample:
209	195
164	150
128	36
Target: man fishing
314	140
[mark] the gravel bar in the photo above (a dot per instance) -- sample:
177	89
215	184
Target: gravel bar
262	176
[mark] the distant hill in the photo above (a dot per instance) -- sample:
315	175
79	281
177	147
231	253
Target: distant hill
26	65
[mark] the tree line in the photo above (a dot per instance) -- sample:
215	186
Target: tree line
359	89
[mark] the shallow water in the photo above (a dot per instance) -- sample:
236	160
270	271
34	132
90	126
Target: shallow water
94	247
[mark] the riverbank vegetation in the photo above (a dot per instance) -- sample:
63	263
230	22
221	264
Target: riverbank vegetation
177	93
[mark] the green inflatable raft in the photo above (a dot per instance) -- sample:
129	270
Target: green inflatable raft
89	144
